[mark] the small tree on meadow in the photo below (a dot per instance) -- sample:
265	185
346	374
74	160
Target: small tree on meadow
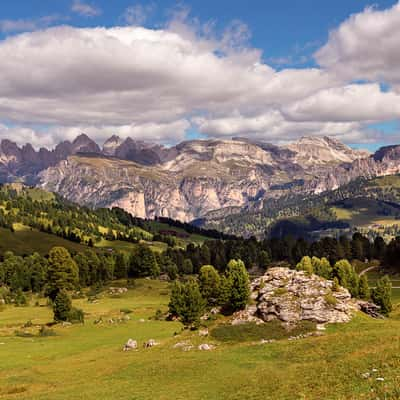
239	282
381	295
209	282
187	302
62	273
62	306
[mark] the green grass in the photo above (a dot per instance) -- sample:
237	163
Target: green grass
86	361
27	241
251	331
192	238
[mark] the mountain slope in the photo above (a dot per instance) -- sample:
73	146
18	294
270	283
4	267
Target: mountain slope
193	178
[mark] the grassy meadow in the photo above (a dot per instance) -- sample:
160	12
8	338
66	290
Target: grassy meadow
87	361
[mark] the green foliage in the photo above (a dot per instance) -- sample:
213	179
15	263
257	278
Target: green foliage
62	306
305	265
187	302
20	299
63	272
76	316
330	299
363	288
335	284
143	263
381	295
237	286
209	282
347	276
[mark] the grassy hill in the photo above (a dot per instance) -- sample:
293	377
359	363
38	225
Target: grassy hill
87	361
27	241
42	220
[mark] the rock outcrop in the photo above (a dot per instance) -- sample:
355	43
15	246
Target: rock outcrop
293	296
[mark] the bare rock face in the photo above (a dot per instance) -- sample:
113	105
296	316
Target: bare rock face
293	296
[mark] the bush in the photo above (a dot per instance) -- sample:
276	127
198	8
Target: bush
20	299
330	299
76	316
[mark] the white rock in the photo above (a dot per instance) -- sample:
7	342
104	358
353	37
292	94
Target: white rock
130	345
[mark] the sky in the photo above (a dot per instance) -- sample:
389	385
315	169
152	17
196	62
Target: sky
167	71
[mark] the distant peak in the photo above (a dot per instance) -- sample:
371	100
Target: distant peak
82	138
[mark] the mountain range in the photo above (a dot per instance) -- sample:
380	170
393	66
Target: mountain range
194	178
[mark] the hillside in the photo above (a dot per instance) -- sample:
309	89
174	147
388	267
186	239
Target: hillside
32	219
368	205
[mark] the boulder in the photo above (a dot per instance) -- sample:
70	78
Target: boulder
293	296
206	347
150	343
203	332
130	345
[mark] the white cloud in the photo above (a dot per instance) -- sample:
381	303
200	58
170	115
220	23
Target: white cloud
365	46
25	25
85	9
154	83
363	102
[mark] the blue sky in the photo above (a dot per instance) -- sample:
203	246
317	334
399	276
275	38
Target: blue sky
288	34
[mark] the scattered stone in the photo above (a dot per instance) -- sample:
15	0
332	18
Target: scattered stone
265	341
130	345
66	323
380	379
321	327
203	332
150	343
141	320
370	308
206	347
117	290
365	375
246	315
185	346
215	310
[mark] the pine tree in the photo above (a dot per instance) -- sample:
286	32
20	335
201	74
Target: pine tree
209	282
381	295
62	272
239	282
363	288
62	306
187	302
187	267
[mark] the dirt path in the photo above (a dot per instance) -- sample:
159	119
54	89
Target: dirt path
364	271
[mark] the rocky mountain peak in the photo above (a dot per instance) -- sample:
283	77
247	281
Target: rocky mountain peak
111	144
83	144
313	151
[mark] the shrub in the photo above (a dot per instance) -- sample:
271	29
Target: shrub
280	291
330	299
76	316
